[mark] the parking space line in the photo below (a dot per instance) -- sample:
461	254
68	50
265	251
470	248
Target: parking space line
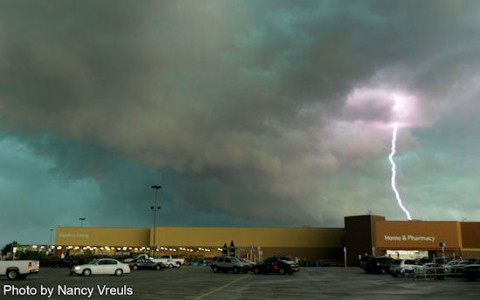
219	288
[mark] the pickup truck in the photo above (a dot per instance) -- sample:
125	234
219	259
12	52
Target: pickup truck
18	269
169	261
166	260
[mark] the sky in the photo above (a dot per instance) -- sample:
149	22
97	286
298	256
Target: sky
247	113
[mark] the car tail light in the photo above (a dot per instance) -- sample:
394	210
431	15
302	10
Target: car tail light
29	264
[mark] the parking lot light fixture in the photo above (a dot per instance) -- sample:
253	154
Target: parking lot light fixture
155	208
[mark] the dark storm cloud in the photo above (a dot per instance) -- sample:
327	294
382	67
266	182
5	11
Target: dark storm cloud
232	102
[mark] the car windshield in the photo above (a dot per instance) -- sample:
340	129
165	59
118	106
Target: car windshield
287	258
287	261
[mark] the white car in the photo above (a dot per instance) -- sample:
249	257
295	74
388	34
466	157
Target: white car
459	267
102	266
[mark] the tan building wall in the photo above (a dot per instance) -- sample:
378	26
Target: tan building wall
305	243
249	236
89	236
201	236
417	235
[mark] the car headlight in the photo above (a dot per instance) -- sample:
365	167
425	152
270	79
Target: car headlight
77	268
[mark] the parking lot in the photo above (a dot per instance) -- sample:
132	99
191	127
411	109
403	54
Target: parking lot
202	283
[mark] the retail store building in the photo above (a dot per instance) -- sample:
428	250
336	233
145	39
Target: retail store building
373	235
367	234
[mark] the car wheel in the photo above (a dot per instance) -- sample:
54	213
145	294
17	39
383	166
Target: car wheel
383	271
215	269
118	272
135	267
12	274
235	270
282	271
158	267
86	272
178	265
256	271
170	266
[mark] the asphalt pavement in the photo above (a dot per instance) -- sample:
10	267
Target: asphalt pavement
201	283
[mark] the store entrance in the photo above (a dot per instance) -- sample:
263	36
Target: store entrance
407	254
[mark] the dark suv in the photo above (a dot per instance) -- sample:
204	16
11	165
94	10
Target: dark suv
378	264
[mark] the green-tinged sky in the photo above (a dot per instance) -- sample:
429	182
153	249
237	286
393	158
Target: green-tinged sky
247	113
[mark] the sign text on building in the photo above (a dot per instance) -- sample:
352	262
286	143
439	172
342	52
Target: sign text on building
75	235
409	237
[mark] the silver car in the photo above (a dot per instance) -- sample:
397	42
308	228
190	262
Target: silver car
229	263
404	267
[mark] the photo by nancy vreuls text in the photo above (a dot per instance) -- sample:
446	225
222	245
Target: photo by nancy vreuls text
65	290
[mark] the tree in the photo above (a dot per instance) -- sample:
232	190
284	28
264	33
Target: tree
9	247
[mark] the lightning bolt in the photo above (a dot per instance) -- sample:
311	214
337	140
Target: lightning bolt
394	174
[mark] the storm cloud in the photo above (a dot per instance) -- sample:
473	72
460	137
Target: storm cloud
268	113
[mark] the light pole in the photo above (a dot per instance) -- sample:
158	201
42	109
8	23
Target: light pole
155	208
51	235
50	246
81	221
